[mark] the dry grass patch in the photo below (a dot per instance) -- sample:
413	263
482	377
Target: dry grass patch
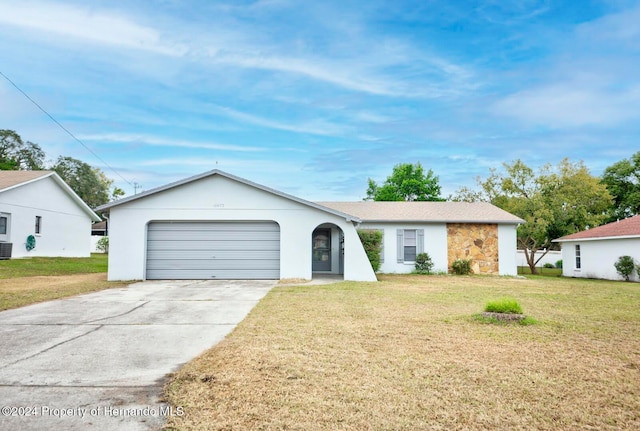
405	354
18	292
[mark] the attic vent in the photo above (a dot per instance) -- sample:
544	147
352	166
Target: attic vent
5	250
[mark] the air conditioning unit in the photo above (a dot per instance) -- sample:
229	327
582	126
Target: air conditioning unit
5	250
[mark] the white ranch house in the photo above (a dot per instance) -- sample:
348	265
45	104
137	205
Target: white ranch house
592	253
41	216
217	225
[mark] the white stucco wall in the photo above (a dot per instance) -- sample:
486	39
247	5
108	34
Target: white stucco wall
217	198
435	243
598	257
65	229
507	245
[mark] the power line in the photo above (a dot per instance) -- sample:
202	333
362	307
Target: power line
65	129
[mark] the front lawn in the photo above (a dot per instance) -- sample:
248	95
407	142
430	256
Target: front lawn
406	354
47	266
38	279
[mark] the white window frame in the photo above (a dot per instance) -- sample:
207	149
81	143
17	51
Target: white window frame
419	238
38	226
578	257
7	227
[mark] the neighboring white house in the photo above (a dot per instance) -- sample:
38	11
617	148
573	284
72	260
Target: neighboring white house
447	231
217	225
41	216
592	253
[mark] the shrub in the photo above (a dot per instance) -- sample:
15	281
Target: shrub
103	244
559	264
424	264
462	267
548	265
625	266
504	305
372	243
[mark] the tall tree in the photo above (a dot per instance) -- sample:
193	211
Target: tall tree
90	183
556	201
623	181
408	182
15	154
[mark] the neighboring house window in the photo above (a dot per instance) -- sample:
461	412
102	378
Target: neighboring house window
3	225
410	244
578	259
38	224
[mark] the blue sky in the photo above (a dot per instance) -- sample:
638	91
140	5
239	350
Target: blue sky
314	97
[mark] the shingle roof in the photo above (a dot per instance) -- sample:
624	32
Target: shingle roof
626	227
450	212
14	178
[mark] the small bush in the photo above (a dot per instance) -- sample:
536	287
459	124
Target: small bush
103	244
462	267
559	264
548	265
625	266
424	264
372	243
504	305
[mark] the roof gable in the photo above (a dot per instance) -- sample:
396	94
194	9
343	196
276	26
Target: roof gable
10	180
628	227
447	212
220	173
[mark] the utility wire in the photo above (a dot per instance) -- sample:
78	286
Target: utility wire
65	129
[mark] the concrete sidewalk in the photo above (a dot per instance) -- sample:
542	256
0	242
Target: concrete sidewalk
98	361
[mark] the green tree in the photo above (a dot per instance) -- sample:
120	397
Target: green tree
556	201
408	182
90	183
623	181
15	154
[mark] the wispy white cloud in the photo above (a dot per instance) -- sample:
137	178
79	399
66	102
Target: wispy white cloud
314	127
570	104
166	142
86	24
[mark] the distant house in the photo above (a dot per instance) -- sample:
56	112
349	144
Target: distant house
217	225
41	216
592	253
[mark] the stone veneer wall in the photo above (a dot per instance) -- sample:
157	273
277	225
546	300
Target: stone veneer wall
478	242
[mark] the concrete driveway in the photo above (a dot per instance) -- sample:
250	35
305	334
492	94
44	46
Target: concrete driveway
98	361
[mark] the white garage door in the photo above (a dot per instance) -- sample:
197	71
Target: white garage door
213	250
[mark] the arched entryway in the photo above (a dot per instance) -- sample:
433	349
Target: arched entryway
327	251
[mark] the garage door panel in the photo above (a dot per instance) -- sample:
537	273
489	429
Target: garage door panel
205	250
214	254
210	264
191	274
212	235
209	245
212	226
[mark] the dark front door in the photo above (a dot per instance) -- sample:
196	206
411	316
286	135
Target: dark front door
321	250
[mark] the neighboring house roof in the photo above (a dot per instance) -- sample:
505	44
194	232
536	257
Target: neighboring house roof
13	179
449	212
214	172
627	228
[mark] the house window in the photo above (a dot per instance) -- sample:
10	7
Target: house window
410	244
38	224
578	259
3	225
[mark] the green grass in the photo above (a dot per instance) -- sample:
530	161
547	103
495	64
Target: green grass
47	266
543	272
503	305
28	281
405	354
